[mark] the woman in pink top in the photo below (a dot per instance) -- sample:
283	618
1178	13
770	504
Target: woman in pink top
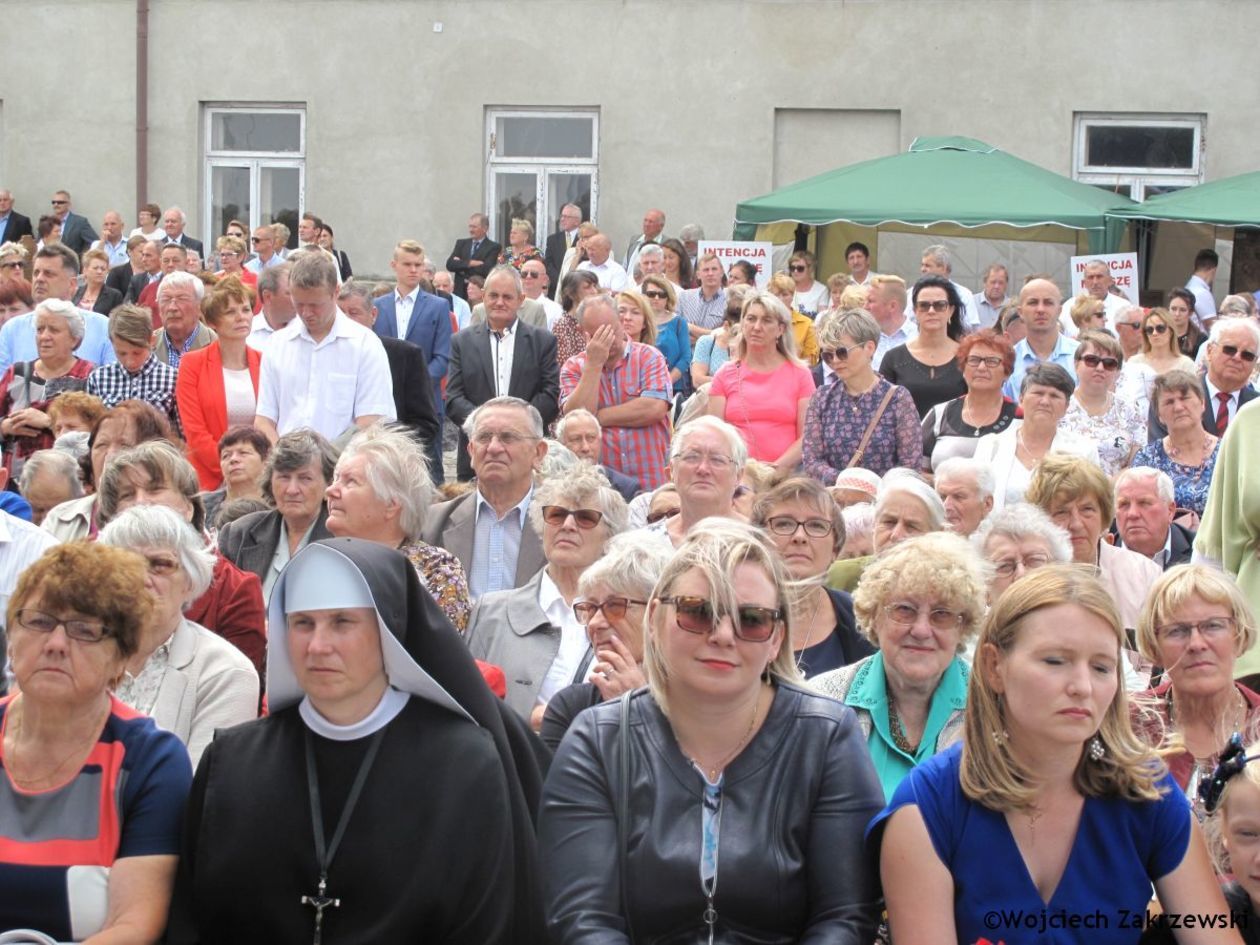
764	390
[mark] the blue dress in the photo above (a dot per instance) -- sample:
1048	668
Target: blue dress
1190	483
1121	847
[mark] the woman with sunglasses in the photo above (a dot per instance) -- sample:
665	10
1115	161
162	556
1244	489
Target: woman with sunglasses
532	631
1095	412
952	429
612	601
1159	344
1188	452
808	529
723	802
927	365
673	339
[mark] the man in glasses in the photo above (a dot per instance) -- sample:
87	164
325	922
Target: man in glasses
581	433
263	243
1232	350
562	240
173	222
887	302
1039	304
76	232
936	261
811	296
1096	281
13	225
488	529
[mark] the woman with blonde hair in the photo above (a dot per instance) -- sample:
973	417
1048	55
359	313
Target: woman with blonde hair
1159	344
635	316
1088	313
1051	803
723	801
673	340
520	248
764	390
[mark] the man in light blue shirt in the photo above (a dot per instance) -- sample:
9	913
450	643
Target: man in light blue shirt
54	275
886	300
1039	303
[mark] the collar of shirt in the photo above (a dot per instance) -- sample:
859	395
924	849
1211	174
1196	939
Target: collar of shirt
551	601
409	298
5	216
522	507
338	330
260	324
504	332
1213	390
1063	345
708	298
147	368
1162	556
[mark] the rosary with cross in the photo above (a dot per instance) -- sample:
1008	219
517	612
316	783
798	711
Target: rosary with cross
319	902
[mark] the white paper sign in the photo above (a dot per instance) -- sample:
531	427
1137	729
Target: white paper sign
1124	270
760	254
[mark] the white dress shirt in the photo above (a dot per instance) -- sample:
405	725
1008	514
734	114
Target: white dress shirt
503	350
20	544
1113	305
610	273
573	642
403	306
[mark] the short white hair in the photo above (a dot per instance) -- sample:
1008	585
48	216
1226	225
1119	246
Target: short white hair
910	483
981	473
577	413
74	318
180	279
738	448
397	470
1164	487
1222	325
535	418
156	526
1019	521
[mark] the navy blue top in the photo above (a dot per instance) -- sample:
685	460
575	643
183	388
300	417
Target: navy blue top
1121	847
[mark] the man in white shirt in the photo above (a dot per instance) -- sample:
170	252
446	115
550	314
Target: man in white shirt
886	300
21	543
858	257
534	278
610	273
277	306
653	226
112	240
264	245
1095	281
1200	283
992	298
936	262
811	296
323	370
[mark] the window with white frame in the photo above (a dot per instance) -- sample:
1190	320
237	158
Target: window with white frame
538	160
1139	156
255	166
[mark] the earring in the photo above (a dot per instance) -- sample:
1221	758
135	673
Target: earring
1000	736
1097	750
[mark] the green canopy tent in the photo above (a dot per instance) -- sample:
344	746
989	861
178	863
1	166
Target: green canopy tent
951	187
1234	202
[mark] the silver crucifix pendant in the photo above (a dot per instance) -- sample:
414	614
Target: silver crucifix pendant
319	902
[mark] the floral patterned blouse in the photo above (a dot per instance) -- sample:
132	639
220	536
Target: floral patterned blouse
443	577
1116	432
1190	483
516	260
570	339
836	421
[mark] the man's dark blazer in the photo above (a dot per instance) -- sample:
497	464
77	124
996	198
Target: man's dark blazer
817	373
627	486
138	284
553	258
106	302
535	378
189	243
77	233
461	255
250	542
119	279
1181	549
429	328
1156	430
413	393
17	226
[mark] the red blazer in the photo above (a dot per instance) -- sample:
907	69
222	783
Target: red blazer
233	608
203	407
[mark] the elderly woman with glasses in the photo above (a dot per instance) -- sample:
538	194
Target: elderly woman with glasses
93	792
532	631
1016	540
927	365
187	679
612	601
953	429
806	526
381	492
1159	344
1195	624
861	419
1095	412
706	462
723	801
920	603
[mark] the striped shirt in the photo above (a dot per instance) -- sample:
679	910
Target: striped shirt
702	312
496	546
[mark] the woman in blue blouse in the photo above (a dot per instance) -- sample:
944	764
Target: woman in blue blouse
672	338
1188	452
1051	810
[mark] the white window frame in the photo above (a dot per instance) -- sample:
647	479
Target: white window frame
539	166
1136	178
255	161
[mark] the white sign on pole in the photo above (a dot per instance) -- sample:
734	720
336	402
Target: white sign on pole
730	251
1124	270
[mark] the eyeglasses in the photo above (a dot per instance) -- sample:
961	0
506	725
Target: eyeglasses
796	268
654	517
906	614
751	624
785	526
1008	566
527	274
1211	629
1158	328
614	608
262	239
1133	325
1093	360
11	265
60	203
508	438
835	354
694	459
85	631
940	305
162	566
655	294
1233	351
975	360
558	515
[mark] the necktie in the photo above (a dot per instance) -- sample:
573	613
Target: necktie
1222	413
473	252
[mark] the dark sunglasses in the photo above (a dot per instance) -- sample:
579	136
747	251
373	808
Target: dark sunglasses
937	305
655	517
835	354
558	515
796	268
614	608
655	294
1093	360
751	624
1157	329
1233	351
527	274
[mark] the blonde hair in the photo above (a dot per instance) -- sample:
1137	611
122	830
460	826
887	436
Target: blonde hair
781	282
648	336
1061	474
854	296
715	547
1083	309
990	774
1214	824
1171	335
786	344
1175	588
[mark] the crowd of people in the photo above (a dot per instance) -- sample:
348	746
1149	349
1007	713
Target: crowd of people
758	607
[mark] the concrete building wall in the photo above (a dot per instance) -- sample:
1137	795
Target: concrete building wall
701	104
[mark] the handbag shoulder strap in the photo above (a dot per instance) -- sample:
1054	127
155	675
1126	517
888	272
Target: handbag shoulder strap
623	808
870	427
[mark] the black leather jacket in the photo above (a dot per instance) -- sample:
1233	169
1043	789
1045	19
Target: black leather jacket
791	866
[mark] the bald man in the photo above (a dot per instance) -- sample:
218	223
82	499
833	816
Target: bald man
1039	304
612	275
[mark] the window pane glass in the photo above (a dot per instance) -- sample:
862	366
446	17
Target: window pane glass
256	131
229	197
516	198
544	137
1154	190
1139	146
280	198
562	189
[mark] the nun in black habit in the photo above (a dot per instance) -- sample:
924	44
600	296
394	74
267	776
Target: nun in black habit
388	798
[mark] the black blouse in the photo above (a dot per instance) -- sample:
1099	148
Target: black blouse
929	384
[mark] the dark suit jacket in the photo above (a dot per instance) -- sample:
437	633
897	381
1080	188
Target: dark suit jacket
817	373
413	393
17	226
627	486
553	257
190	243
1155	430
136	286
429	328
535	377
250	542
119	279
106	302
1180	551
453	526
461	255
77	233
